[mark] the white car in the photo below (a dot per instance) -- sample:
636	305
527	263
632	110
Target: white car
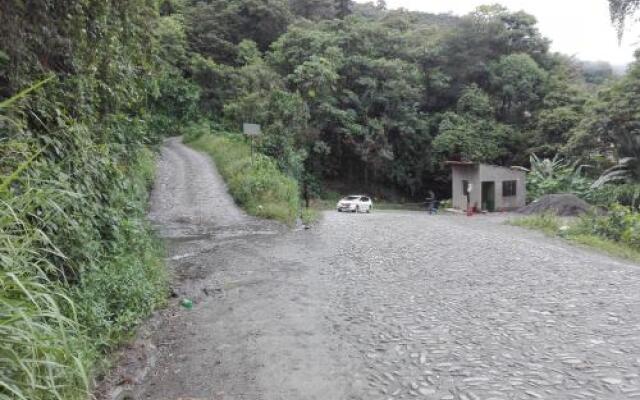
355	203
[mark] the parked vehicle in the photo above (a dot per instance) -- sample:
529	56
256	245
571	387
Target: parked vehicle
355	203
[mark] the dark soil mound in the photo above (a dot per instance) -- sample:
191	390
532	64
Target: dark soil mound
563	205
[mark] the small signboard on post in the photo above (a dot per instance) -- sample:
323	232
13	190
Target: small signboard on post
251	130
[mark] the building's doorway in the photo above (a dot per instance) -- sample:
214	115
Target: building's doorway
489	196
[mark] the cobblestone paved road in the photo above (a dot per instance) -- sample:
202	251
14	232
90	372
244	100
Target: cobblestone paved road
457	308
391	305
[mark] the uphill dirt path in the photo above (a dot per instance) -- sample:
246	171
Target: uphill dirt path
391	305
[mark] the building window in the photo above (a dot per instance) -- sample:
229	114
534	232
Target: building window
465	188
509	188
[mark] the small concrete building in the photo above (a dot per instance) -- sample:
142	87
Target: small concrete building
493	188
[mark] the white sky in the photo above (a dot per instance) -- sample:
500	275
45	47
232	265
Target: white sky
576	27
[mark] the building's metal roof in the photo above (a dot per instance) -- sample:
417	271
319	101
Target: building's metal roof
474	164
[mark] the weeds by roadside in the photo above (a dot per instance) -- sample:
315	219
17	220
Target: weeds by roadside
256	183
584	231
546	223
310	216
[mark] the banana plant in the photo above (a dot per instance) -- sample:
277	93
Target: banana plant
556	175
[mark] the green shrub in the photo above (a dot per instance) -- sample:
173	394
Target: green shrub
78	264
194	130
620	224
257	185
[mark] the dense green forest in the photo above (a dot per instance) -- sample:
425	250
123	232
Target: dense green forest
343	91
358	93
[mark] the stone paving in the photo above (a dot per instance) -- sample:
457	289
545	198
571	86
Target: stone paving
455	308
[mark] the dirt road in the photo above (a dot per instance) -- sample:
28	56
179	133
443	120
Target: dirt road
392	305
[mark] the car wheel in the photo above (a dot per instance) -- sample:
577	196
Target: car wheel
339	210
369	210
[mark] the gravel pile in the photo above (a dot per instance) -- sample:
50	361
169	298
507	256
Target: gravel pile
563	205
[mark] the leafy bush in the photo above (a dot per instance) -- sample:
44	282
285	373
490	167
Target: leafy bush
194	130
258	186
620	224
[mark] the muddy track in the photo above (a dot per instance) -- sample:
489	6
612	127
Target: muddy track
392	305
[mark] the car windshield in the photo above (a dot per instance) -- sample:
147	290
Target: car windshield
351	198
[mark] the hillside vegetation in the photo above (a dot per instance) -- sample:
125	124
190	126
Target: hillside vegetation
80	112
356	92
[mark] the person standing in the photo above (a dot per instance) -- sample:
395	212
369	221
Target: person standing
431	202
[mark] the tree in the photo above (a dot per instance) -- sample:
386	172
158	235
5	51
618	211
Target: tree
518	82
284	117
611	128
561	110
471	134
467	49
475	102
596	73
620	10
248	53
343	8
216	82
216	27
313	9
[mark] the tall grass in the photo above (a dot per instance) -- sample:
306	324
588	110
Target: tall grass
40	349
257	185
79	266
